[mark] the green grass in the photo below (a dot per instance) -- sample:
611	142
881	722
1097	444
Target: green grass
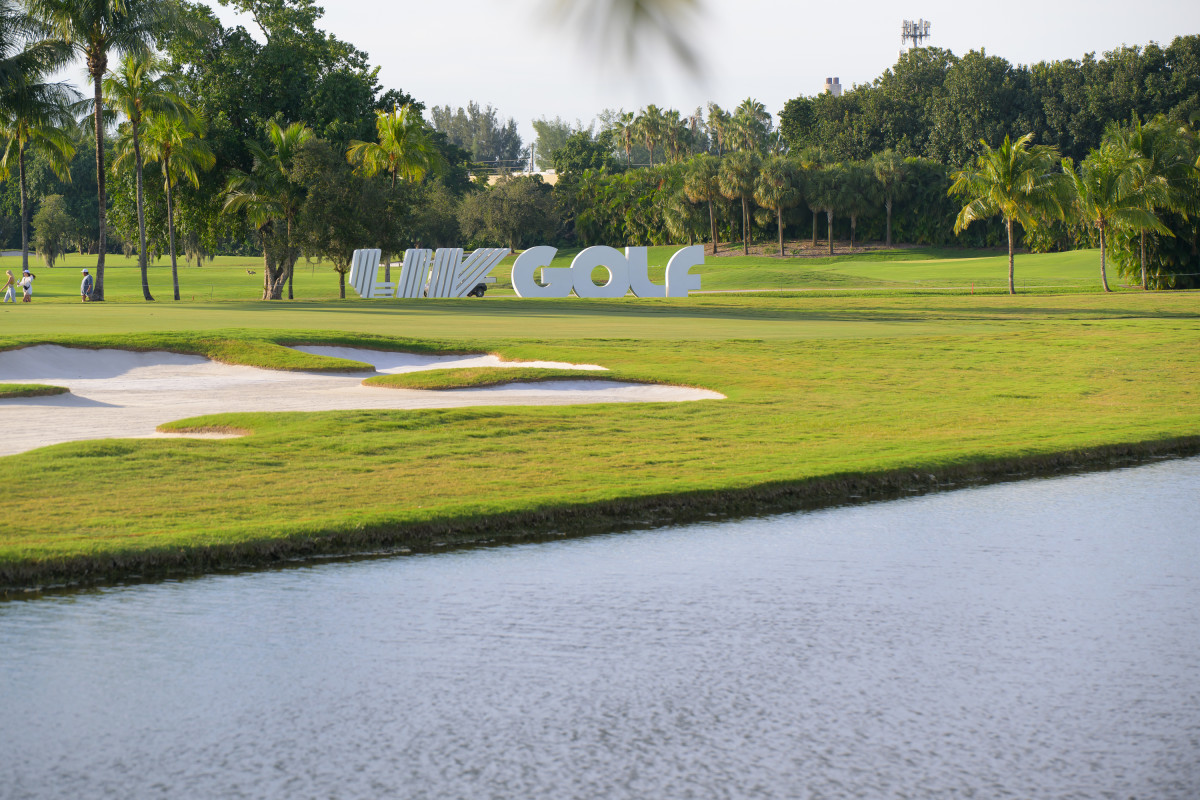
477	377
890	271
13	390
829	395
223	278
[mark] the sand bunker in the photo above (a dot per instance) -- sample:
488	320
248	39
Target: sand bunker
123	394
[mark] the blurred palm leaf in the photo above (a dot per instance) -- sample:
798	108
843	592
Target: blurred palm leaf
636	25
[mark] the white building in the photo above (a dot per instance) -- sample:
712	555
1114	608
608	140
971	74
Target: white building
834	86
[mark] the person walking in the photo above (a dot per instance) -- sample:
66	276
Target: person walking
8	287
26	285
85	288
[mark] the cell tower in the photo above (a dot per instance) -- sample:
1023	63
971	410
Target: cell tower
914	31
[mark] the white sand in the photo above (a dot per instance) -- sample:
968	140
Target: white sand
122	394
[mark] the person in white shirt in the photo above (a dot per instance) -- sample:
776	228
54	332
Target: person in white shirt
26	284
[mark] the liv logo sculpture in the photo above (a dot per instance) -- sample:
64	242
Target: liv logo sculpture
445	273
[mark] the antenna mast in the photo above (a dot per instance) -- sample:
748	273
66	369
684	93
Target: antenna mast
915	31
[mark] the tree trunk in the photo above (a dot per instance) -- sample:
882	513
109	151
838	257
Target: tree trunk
853	226
1103	270
262	240
779	222
745	229
1145	284
342	285
814	244
97	70
387	257
889	223
171	226
141	213
1012	289
712	223
829	218
290	260
24	208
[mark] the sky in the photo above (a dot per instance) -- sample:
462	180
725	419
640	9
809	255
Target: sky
514	54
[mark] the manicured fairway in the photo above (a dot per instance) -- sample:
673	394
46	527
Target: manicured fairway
828	396
228	278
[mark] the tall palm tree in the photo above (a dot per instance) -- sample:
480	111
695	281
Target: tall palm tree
695	135
35	116
777	188
627	132
650	128
718	126
889	169
137	88
93	29
1016	180
827	192
1166	180
701	186
859	194
751	124
270	199
25	56
30	107
173	141
1108	194
736	179
403	149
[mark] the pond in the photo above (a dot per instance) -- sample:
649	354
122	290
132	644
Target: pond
1031	639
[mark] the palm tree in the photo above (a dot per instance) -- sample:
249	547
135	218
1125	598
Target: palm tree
35	116
1166	180
650	127
30	108
1108	193
138	88
1017	181
173	141
736	179
93	28
859	194
695	136
404	149
718	126
777	188
808	168
826	192
25	56
270	199
627	131
701	186
751	124
889	169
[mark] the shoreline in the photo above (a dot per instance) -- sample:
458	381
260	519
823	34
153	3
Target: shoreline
31	578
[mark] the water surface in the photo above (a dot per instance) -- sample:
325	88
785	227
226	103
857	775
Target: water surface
1035	639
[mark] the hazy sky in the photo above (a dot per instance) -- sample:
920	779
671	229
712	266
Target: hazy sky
510	53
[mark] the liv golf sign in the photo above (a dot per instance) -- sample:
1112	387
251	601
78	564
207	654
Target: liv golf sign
446	273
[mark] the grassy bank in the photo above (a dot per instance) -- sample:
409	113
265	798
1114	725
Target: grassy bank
828	398
15	390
